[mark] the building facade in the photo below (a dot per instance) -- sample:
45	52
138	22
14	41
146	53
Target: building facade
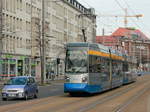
21	27
132	42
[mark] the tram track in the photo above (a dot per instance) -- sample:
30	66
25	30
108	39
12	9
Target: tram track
89	106
60	103
65	105
108	98
112	104
124	105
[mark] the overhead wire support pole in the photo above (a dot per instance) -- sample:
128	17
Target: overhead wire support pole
43	44
1	32
31	34
125	18
1	27
31	29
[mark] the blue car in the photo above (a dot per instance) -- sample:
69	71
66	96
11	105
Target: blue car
20	87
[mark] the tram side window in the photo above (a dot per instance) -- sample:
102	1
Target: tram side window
105	69
94	64
105	65
125	67
116	68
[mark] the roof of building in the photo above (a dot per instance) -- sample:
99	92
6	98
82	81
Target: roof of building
129	32
105	39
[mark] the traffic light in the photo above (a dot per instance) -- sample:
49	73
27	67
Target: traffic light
58	60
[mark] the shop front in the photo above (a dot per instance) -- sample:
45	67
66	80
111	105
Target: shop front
11	65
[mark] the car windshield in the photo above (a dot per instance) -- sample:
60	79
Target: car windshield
17	81
76	60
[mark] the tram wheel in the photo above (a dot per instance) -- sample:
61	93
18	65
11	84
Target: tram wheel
73	94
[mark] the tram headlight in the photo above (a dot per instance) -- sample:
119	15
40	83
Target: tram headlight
84	79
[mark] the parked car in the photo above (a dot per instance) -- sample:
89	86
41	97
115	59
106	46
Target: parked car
20	87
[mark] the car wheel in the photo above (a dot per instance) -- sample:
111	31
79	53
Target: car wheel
26	96
4	99
36	94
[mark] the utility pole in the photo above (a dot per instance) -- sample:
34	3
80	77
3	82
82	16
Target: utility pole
125	17
1	27
43	44
94	27
31	34
140	56
31	30
148	56
1	32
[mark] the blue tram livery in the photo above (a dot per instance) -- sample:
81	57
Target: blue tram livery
93	68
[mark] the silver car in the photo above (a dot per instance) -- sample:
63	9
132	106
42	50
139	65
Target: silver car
20	87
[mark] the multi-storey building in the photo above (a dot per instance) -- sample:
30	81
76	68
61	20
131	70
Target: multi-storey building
64	21
132	42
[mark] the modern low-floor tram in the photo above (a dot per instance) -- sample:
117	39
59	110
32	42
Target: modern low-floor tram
92	68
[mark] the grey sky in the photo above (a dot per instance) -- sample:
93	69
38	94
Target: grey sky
110	7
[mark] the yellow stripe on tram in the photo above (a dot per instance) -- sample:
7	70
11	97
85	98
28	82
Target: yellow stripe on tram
98	53
92	52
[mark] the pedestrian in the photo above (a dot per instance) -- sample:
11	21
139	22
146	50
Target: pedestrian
46	75
49	75
52	74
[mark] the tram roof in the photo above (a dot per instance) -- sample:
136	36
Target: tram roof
91	45
95	46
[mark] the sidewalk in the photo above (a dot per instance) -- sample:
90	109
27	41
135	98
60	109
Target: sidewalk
2	83
56	80
53	82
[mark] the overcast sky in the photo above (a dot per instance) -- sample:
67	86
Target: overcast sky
113	7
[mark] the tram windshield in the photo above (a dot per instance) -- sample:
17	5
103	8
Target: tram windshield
76	60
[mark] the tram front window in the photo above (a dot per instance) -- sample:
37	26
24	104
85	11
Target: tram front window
76	60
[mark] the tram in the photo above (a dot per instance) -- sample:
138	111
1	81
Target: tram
92	68
129	72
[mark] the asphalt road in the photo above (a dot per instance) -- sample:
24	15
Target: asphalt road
133	97
55	89
44	91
